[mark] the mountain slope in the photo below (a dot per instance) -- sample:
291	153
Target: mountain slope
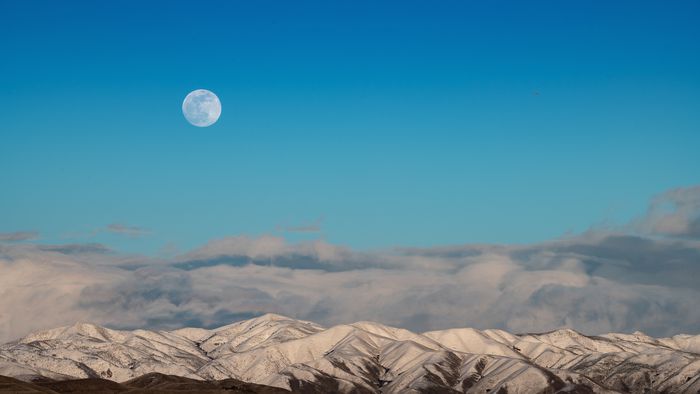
274	350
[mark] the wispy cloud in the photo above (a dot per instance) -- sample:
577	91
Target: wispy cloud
675	213
69	249
19	236
313	227
129	231
122	229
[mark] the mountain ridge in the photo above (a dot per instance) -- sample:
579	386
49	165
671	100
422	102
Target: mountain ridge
298	355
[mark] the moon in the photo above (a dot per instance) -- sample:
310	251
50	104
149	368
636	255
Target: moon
201	108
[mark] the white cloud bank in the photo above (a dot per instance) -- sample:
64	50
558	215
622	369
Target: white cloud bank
596	282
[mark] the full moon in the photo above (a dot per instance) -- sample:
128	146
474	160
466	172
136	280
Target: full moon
201	108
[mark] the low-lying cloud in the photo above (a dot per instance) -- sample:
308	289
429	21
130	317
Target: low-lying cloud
18	236
594	282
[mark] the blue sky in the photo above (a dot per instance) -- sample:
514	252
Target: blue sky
392	123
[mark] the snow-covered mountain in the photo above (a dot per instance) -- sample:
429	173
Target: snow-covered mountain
367	357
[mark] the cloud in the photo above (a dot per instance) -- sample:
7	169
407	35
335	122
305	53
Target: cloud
19	236
594	282
113	228
575	283
275	252
675	213
313	227
76	248
40	288
129	231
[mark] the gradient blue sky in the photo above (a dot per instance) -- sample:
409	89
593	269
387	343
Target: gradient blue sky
398	123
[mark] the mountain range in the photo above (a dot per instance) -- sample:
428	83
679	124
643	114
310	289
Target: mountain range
273	352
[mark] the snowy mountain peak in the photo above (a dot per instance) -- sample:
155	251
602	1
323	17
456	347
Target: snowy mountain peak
279	351
83	329
272	317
